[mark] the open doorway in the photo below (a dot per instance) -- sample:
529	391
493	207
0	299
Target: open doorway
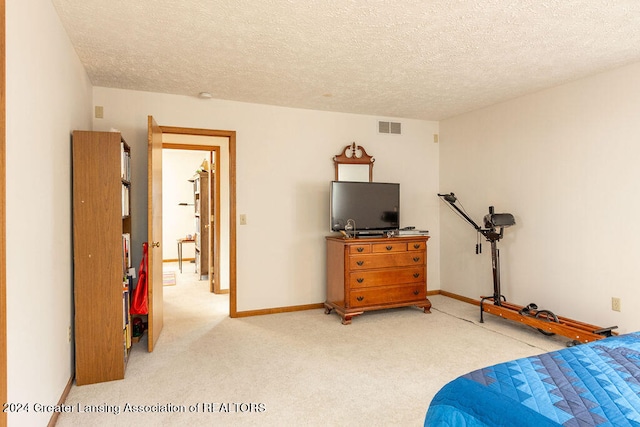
196	215
188	211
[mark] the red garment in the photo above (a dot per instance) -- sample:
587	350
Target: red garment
139	302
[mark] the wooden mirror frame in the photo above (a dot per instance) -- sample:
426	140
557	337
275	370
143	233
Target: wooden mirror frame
353	155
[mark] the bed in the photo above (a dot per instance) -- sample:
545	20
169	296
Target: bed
594	384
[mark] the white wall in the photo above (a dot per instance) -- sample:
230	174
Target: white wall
284	165
564	161
48	95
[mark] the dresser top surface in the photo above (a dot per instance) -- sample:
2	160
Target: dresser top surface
363	240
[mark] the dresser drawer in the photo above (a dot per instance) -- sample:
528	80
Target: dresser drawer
416	246
388	277
402	259
389	247
389	295
360	249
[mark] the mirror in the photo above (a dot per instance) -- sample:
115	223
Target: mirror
347	172
354	164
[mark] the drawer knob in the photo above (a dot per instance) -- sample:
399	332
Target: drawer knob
360	279
360	263
416	245
359	298
360	249
416	275
416	258
389	247
416	292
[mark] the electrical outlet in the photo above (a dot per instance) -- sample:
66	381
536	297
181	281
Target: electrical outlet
243	219
615	304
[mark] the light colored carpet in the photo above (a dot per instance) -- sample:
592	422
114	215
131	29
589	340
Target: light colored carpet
301	368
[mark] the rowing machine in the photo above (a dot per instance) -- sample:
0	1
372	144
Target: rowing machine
545	321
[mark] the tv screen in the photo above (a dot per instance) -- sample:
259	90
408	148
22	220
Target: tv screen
373	206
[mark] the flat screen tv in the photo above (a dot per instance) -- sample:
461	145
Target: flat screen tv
373	206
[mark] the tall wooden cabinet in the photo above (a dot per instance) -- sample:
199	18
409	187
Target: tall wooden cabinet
375	273
101	255
201	202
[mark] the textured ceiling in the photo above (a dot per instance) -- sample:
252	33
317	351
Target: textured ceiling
425	59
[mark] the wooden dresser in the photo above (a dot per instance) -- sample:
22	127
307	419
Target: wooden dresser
375	273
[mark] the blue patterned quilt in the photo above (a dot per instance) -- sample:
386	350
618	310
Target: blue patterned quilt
594	384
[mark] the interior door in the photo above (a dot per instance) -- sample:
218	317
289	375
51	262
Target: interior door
154	230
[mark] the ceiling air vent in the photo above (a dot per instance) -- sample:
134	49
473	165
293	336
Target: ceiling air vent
390	127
